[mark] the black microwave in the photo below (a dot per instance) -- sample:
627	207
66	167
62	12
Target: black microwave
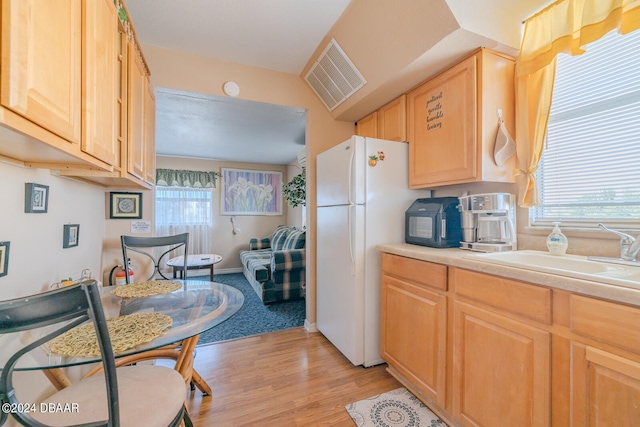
433	222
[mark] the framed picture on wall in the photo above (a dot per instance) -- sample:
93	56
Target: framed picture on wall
125	205
70	235
36	198
4	258
250	192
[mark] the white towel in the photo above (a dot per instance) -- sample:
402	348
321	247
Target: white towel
505	146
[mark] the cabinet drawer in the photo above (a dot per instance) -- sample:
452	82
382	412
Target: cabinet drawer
426	273
512	296
605	321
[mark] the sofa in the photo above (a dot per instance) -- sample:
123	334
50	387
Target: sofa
275	265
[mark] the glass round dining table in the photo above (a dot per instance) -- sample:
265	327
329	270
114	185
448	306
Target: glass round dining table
195	308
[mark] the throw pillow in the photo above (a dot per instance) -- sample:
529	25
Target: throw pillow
296	239
278	238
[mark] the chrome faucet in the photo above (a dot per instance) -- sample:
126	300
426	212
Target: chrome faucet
629	245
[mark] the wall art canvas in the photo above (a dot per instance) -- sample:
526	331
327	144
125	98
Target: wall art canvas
125	205
70	235
36	198
4	258
250	192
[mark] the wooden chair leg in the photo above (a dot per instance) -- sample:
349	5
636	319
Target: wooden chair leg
197	380
57	378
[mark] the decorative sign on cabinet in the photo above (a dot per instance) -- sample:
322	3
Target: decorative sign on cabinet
452	122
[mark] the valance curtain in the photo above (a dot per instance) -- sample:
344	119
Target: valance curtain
186	178
566	26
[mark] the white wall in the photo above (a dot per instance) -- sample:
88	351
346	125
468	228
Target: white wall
36	257
223	241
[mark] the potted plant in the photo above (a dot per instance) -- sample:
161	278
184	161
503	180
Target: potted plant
295	191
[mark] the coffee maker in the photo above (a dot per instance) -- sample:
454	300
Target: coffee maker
488	222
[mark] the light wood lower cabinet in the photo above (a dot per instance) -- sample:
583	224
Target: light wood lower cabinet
486	351
501	370
605	388
419	354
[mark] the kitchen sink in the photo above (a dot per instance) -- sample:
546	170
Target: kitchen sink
575	266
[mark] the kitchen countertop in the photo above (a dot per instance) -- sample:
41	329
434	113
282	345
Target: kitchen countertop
456	257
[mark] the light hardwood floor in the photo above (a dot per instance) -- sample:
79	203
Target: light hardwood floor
281	379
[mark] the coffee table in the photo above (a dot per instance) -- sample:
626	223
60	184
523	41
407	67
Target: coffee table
194	262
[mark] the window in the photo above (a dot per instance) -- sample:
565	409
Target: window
589	171
183	206
186	210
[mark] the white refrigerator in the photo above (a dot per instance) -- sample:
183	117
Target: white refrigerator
359	205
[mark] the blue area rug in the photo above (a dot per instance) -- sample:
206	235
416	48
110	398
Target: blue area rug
253	318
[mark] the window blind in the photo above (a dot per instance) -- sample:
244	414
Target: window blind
590	167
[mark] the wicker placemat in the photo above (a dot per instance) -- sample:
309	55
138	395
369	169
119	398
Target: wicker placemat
125	332
146	289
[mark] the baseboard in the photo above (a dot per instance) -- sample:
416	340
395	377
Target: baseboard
310	327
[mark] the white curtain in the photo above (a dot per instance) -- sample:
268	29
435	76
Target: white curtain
185	210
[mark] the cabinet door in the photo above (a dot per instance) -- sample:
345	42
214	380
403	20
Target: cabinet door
100	88
41	68
501	370
368	126
605	389
414	335
150	135
137	94
442	128
392	120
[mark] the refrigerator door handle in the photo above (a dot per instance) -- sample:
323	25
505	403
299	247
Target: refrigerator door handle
350	176
350	232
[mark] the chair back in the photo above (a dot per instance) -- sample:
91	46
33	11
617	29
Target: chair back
65	308
139	244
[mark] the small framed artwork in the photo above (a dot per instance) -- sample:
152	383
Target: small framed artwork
70	235
4	258
36	198
125	206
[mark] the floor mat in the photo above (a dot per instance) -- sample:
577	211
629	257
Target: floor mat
396	408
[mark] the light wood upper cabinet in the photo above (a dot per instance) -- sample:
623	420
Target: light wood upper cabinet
389	122
41	51
368	126
452	122
392	120
100	88
150	135
137	93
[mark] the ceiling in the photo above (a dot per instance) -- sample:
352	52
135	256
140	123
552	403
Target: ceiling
217	127
257	33
250	32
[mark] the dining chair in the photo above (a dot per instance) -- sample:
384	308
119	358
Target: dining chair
146	395
146	245
181	353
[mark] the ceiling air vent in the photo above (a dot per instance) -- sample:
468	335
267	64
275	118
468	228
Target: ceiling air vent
333	77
